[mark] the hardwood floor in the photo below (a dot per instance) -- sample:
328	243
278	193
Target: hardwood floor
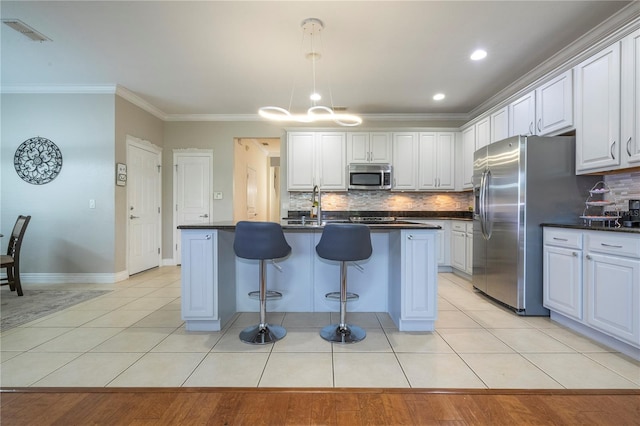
271	406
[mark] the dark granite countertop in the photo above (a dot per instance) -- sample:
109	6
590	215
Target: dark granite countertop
591	228
311	225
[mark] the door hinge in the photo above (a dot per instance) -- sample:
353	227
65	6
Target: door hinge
176	207
158	250
176	246
158	209
159	168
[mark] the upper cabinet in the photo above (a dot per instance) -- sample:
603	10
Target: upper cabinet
316	158
405	153
468	149
554	104
436	169
483	132
500	124
598	111
522	115
631	100
369	147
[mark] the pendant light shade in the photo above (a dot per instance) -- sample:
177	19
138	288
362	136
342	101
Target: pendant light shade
311	27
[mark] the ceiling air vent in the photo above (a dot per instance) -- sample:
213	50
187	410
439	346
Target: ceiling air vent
25	30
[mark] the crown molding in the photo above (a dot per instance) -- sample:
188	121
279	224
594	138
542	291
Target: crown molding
416	117
128	95
106	89
606	33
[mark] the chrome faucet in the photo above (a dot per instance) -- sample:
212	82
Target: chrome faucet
317	203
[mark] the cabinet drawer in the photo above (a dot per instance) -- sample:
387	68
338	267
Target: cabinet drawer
457	225
469	227
614	243
563	238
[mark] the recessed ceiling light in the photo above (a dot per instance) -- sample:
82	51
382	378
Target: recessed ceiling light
478	54
438	96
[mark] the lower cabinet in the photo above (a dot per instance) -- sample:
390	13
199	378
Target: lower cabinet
593	277
462	246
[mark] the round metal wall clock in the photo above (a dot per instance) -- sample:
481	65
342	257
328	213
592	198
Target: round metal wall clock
38	161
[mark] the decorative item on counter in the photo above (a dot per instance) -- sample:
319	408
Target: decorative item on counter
595	207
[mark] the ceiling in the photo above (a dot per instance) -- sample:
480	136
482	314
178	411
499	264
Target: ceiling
232	57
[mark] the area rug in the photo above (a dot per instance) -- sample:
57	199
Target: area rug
17	310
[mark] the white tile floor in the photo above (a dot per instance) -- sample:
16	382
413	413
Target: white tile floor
134	336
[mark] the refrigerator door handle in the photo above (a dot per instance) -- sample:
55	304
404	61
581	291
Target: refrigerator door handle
486	221
482	205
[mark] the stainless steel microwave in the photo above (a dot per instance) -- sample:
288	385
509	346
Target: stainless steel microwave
369	176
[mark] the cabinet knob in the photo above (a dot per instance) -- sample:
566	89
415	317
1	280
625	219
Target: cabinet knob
410	237
207	237
575	254
588	257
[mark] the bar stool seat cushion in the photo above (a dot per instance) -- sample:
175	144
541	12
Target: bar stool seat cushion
260	240
345	242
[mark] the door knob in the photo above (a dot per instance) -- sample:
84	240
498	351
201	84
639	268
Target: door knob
204	215
134	217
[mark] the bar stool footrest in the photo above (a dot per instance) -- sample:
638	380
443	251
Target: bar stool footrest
271	295
335	295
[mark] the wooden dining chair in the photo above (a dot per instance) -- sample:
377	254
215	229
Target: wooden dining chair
11	261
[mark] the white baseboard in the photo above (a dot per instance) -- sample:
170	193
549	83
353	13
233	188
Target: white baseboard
71	278
169	262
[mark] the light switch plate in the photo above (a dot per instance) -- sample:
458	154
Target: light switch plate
217	195
92	204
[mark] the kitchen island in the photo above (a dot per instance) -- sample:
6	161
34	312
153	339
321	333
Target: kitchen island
399	278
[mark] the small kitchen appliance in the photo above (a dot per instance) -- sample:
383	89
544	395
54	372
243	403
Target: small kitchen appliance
631	219
370	176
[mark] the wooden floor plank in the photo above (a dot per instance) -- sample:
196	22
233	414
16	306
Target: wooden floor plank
228	406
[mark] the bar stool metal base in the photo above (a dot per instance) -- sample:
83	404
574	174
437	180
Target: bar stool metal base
257	335
346	334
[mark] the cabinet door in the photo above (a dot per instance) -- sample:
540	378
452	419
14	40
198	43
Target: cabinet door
522	115
483	132
468	148
405	154
331	161
357	147
427	161
562	281
300	161
469	252
554	104
380	147
631	99
199	249
613	295
458	250
445	157
419	284
500	125
598	111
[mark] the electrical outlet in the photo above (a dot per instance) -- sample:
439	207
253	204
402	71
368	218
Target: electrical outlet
217	195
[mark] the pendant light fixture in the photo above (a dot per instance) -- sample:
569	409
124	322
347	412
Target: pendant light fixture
311	27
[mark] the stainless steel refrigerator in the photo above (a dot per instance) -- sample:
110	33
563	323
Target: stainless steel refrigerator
519	183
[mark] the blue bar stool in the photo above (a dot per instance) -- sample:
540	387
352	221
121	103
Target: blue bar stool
263	241
344	243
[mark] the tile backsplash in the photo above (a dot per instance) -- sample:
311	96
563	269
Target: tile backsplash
385	201
624	187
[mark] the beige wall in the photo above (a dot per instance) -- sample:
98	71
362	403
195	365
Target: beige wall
65	235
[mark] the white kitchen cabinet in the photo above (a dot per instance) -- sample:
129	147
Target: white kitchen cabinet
415	307
208	278
554	104
597	95
468	149
369	147
522	115
469	249
591	283
483	132
612	281
631	100
562	272
405	153
500	125
435	161
461	254
443	240
316	158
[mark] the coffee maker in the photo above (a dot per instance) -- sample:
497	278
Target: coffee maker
631	219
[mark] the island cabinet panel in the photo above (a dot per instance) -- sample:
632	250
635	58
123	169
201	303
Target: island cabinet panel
208	278
290	276
415	306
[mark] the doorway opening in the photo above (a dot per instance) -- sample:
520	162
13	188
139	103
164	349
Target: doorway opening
256	180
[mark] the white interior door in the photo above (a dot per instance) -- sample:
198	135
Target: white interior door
192	191
143	199
252	193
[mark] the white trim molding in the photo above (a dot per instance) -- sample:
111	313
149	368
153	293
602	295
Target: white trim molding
73	278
